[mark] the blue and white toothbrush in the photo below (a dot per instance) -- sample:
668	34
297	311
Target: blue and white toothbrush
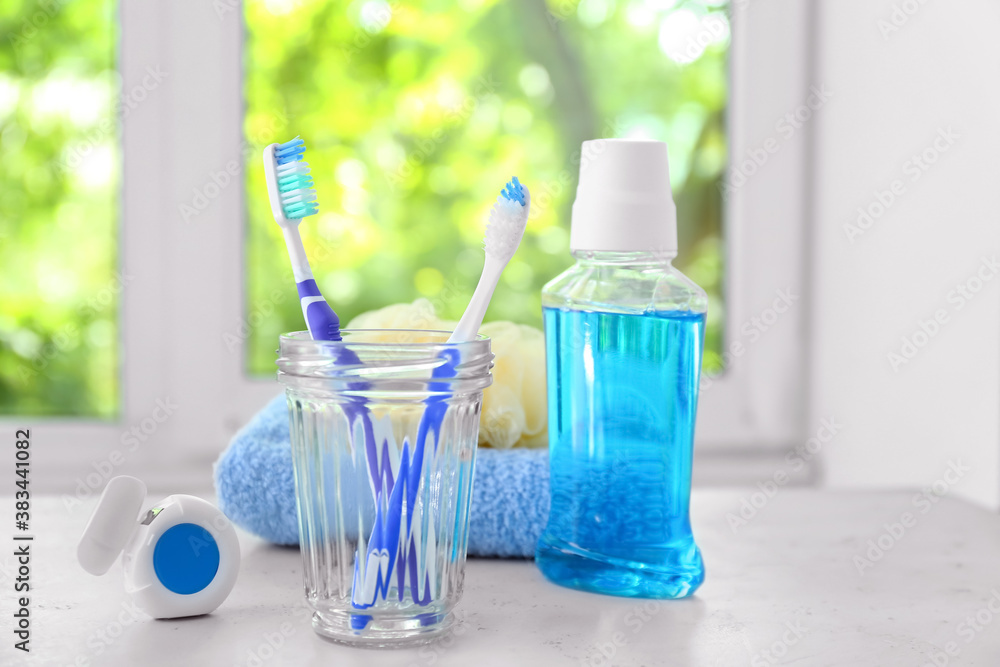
389	545
289	187
504	231
508	218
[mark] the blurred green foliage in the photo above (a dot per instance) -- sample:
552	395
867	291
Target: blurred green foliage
59	179
416	114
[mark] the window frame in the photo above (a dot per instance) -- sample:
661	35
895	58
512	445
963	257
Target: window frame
178	329
766	242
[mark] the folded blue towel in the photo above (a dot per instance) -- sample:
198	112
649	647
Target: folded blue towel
256	490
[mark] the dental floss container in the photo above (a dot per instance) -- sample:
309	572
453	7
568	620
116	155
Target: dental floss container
180	557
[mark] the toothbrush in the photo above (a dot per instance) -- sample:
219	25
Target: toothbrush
504	231
289	187
503	235
387	545
508	218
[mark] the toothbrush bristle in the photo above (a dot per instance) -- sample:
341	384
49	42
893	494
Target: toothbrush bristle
514	191
290	151
298	199
508	219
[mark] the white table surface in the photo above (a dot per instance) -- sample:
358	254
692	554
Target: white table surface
791	564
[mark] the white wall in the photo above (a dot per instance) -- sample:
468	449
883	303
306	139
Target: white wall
892	94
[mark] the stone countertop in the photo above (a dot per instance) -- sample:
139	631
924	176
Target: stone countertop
807	577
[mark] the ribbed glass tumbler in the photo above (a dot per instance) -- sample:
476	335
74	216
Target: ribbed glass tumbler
384	428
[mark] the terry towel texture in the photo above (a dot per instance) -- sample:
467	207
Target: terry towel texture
256	490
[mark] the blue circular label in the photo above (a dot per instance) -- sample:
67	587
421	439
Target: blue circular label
186	558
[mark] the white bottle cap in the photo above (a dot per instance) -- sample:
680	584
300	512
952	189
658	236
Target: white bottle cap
623	202
112	524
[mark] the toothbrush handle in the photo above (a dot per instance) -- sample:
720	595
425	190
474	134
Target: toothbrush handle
323	323
472	319
297	253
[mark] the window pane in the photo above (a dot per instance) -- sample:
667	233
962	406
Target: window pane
416	115
59	175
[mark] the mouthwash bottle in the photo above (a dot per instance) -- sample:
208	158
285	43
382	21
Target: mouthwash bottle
623	332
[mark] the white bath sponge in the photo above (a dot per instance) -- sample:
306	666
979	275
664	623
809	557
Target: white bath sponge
514	406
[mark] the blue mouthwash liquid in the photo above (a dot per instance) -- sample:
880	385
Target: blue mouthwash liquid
622	396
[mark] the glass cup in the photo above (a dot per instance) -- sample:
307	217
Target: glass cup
384	428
